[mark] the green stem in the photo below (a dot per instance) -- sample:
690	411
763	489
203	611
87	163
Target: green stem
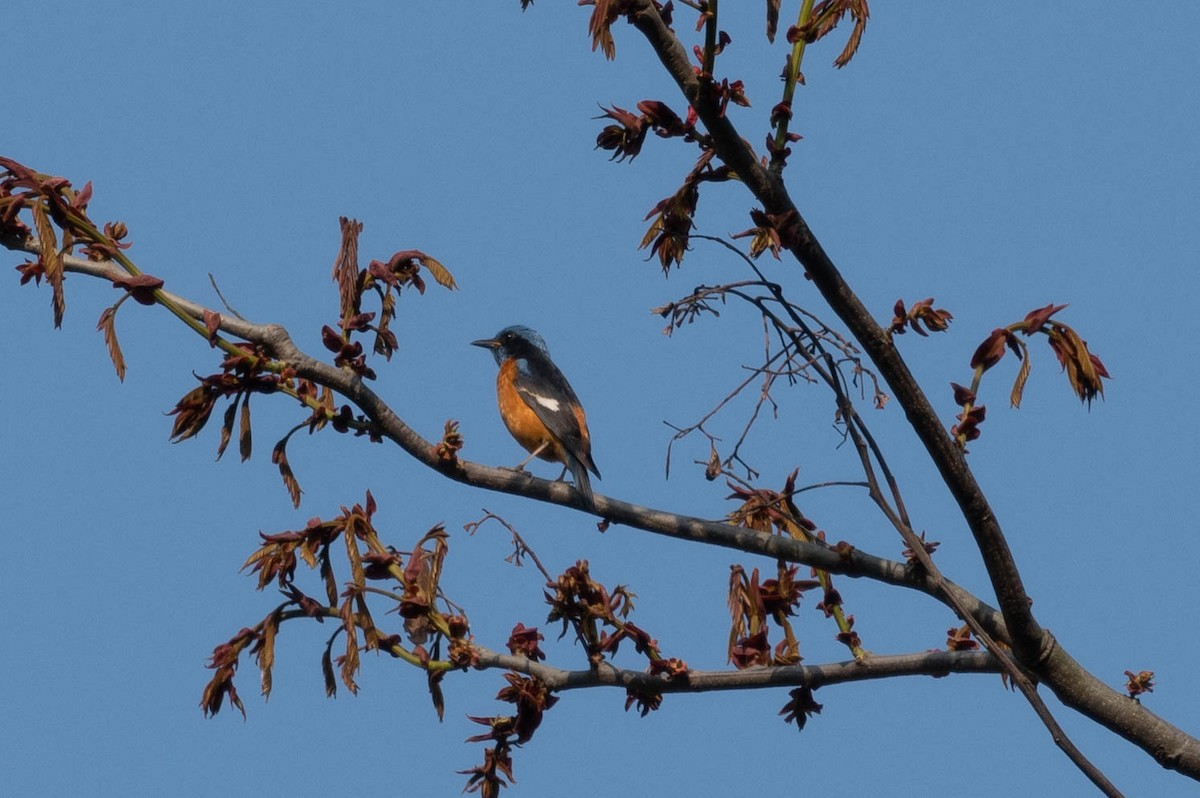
789	85
81	223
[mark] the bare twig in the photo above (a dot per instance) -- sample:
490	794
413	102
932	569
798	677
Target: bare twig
1030	642
220	296
1033	646
521	548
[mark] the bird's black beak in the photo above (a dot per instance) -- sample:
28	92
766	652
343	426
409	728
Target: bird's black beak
486	343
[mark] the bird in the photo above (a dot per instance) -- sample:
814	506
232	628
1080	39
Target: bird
539	407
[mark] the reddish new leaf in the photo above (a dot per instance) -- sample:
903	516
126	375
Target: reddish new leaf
140	286
1036	319
990	352
212	322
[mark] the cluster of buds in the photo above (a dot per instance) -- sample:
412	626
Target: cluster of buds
418	575
825	16
923	312
773	232
625	138
53	202
531	698
1138	683
385	279
1085	372
753	604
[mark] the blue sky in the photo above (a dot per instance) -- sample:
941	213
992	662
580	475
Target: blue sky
995	160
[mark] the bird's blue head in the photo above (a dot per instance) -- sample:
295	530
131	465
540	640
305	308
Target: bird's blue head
516	341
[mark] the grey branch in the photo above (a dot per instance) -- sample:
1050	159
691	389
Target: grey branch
876	666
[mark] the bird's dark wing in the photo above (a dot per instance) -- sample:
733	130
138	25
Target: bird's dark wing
549	395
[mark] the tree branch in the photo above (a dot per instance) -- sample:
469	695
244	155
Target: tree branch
925	663
846	560
736	153
1169	745
1034	647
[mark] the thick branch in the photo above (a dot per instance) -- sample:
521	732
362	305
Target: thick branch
1035	648
1076	687
771	192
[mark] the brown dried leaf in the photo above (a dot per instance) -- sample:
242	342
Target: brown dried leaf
107	324
226	428
825	17
345	267
350	661
51	261
772	19
651	233
860	13
218	687
328	578
1084	370
279	458
439	272
1018	389
435	693
355	557
266	652
604	14
327	673
255	556
245	440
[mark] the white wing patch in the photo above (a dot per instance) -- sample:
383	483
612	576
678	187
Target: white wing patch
548	402
532	396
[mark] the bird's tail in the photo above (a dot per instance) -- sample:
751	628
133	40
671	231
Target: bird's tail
583	483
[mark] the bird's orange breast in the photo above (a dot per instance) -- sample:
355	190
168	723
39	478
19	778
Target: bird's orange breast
520	419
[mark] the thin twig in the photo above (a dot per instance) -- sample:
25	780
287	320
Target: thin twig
221	296
522	548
